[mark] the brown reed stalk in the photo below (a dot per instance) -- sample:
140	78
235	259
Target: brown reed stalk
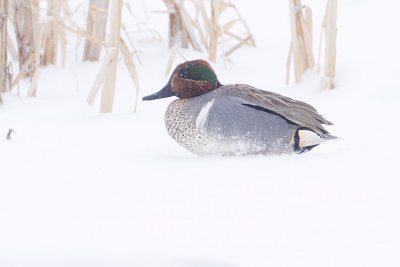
96	26
177	34
3	46
106	77
330	44
214	30
23	21
301	39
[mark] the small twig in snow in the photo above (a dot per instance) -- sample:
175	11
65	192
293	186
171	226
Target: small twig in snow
10	131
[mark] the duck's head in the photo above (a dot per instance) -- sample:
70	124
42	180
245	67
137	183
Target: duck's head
189	79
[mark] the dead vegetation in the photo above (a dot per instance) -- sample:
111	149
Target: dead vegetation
301	46
4	83
33	35
330	29
211	25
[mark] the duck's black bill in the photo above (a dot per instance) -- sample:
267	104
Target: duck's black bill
163	93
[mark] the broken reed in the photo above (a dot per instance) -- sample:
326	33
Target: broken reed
330	27
25	21
106	78
95	26
3	46
301	48
204	30
24	24
177	33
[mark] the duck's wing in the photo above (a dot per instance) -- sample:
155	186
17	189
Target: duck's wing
295	112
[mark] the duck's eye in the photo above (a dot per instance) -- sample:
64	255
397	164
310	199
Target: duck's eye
184	73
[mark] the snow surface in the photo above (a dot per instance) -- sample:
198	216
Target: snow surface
78	188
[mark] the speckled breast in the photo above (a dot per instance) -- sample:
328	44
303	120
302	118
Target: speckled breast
180	122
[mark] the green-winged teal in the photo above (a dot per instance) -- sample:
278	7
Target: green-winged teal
211	118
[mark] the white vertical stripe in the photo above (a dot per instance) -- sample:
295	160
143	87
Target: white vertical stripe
203	114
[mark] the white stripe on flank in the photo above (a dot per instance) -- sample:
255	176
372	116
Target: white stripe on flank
203	114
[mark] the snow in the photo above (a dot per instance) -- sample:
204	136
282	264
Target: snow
78	188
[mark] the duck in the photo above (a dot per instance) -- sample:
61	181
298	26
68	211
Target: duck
209	118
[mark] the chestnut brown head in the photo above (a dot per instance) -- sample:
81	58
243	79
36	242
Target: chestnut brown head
189	79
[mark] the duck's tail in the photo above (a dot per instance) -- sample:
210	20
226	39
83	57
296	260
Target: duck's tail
305	139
